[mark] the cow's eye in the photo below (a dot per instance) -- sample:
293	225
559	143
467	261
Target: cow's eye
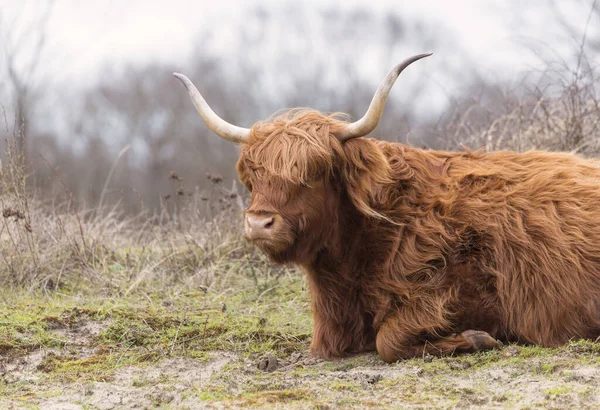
260	173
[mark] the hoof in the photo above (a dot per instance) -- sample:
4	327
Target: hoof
481	340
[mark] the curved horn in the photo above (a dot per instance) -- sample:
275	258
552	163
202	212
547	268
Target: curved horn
217	125
370	120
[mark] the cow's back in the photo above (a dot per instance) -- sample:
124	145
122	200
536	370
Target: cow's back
526	225
537	215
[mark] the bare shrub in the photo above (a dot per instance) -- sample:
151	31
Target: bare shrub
557	109
193	241
567	122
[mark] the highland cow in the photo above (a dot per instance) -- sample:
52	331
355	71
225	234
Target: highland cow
410	251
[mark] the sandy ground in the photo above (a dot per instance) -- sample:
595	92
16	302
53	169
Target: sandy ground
142	356
228	380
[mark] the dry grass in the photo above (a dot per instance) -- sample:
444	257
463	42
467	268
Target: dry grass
560	111
193	241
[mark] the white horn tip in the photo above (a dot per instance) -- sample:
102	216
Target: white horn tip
420	56
181	77
184	80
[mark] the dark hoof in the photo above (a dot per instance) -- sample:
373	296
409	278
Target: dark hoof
481	340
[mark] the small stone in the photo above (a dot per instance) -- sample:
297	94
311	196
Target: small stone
295	357
268	363
372	379
459	365
510	351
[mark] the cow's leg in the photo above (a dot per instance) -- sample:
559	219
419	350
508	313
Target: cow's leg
330	339
393	345
334	339
341	325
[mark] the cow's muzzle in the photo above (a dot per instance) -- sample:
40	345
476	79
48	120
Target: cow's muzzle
262	226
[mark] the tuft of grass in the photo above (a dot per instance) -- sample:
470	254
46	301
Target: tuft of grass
274	397
557	391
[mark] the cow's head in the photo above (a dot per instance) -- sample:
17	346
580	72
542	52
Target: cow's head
301	167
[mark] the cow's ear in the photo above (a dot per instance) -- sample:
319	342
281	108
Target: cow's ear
364	172
243	173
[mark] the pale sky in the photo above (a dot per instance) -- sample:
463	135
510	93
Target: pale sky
85	37
142	29
86	33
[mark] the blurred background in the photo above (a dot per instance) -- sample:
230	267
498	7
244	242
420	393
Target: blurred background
87	92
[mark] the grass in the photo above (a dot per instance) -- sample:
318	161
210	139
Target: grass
88	342
187	324
87	339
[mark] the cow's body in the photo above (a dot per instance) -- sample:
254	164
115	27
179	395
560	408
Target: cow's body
410	251
500	242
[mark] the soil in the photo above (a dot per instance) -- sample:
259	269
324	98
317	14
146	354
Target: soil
560	379
138	354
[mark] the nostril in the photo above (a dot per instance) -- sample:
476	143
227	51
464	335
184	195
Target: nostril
257	225
269	223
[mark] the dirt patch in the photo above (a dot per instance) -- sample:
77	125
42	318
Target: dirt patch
81	333
76	341
137	353
22	368
156	384
162	383
484	380
227	380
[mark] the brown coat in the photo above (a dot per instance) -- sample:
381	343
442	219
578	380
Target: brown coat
410	251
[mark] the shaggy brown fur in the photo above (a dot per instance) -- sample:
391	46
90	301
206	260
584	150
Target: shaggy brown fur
411	251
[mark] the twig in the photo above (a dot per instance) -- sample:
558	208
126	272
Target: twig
204	332
110	174
71	201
